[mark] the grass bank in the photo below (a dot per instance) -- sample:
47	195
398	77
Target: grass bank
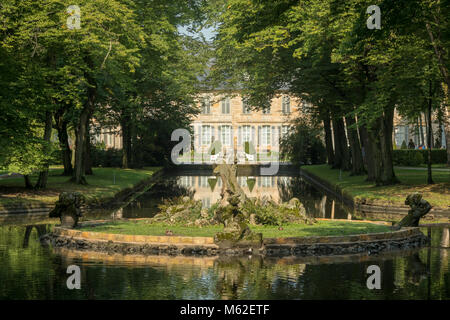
411	181
321	228
104	184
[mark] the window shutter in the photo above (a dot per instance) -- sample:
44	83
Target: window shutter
220	134
200	140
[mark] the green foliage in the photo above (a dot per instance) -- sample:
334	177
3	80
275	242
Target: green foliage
321	228
412	180
303	144
249	148
102	186
106	157
266	212
404	146
417	157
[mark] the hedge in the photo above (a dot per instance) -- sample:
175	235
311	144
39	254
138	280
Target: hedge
106	158
417	157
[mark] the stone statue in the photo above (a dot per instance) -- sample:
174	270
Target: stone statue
419	208
67	208
236	231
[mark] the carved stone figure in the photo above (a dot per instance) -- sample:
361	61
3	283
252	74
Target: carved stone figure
419	208
67	208
236	231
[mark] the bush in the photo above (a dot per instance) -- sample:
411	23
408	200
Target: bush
303	144
106	157
417	157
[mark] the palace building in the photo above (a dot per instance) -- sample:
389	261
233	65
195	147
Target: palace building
227	118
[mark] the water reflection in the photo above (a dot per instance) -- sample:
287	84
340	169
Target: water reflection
207	189
29	270
37	272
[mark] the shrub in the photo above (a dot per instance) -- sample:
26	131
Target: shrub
106	157
417	157
303	144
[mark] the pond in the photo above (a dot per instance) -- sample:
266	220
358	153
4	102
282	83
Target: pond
29	270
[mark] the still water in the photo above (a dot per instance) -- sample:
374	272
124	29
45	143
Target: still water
29	270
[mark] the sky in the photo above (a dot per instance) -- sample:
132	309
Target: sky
208	33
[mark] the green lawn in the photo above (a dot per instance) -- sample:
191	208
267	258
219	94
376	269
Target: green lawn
437	194
101	186
321	228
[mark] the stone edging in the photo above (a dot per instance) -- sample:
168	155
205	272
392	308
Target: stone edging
176	245
363	208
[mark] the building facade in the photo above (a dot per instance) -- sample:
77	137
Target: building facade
229	120
416	131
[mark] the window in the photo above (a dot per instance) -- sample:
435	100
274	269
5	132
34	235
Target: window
186	181
266	181
286	105
265	135
225	135
266	110
284	130
225	104
245	107
203	181
246	133
206	135
206	105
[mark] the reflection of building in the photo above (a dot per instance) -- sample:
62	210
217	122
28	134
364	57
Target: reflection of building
208	188
222	118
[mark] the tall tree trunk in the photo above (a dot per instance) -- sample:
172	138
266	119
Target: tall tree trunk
446	120
429	136
79	172
87	161
43	175
368	154
328	137
126	141
422	136
135	157
387	169
27	180
63	137
83	124
374	147
355	146
342	154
